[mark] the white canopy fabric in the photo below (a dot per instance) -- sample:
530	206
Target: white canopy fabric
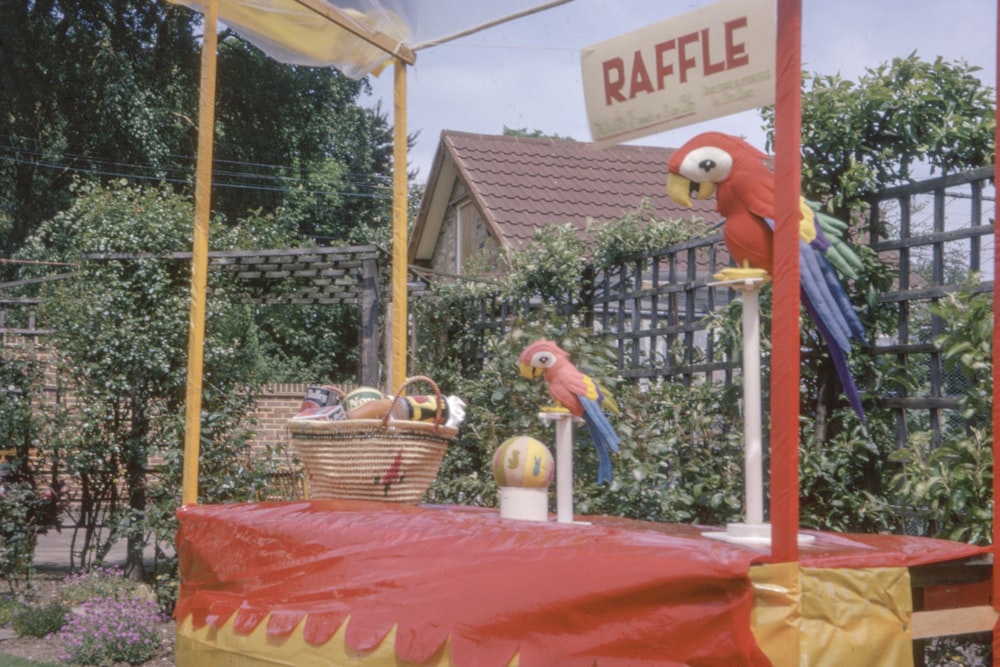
311	32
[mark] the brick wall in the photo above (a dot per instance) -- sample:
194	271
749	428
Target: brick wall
277	404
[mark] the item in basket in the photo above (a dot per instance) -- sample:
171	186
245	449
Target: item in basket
360	396
419	408
456	411
370	409
320	403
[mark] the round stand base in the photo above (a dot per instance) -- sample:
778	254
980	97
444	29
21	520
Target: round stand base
750	534
524	504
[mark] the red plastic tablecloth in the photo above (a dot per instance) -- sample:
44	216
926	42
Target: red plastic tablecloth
616	591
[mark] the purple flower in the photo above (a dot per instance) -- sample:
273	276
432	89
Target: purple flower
106	630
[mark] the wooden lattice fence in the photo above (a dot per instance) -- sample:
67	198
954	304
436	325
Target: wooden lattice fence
935	233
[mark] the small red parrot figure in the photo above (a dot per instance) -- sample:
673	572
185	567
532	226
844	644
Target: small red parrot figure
743	185
578	393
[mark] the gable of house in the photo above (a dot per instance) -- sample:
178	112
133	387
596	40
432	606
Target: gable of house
487	194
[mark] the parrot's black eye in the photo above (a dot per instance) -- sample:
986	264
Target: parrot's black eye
707	165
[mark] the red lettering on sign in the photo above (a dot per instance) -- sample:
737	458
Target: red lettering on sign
675	57
706	55
640	77
663	68
736	54
684	61
613	88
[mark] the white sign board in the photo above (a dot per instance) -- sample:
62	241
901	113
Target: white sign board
707	63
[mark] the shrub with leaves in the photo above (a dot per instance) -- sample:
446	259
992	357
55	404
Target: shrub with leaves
843	481
681	459
39	621
949	484
17	532
640	231
103	582
958	652
8	607
105	631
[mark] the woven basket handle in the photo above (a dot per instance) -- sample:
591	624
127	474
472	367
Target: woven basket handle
401	392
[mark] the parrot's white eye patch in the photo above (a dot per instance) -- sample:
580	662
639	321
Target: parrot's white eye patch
543	360
707	164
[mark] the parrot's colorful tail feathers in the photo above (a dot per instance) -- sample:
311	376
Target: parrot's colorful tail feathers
840	254
603	434
608	401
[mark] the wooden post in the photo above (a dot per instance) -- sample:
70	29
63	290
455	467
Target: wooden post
199	257
399	319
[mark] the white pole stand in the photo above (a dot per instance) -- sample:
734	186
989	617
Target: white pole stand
564	463
754	530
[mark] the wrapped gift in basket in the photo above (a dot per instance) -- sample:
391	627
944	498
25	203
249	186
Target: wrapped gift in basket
385	458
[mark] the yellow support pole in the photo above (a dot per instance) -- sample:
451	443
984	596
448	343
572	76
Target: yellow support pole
399	229
199	259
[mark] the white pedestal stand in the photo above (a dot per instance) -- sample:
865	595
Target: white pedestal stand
564	463
754	530
525	504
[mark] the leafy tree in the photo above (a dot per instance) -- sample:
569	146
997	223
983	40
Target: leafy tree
103	91
293	138
89	87
860	138
110	90
120	338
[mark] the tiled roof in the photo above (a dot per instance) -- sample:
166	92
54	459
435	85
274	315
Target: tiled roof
522	183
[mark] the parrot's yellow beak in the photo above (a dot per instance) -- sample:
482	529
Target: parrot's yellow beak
530	372
680	189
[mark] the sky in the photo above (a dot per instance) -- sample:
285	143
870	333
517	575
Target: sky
526	73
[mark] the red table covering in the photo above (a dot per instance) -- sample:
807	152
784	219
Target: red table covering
615	591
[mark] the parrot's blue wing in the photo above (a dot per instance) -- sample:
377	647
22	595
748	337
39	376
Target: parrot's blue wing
603	434
826	302
839	357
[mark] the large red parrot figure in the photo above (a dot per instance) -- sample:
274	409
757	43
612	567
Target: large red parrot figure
738	175
577	392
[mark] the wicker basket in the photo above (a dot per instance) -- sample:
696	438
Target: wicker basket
372	459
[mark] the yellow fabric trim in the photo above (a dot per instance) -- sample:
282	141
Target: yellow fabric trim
776	607
833	617
224	647
858	616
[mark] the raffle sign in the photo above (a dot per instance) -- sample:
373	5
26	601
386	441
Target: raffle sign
701	65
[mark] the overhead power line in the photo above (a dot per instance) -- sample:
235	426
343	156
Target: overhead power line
379	187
